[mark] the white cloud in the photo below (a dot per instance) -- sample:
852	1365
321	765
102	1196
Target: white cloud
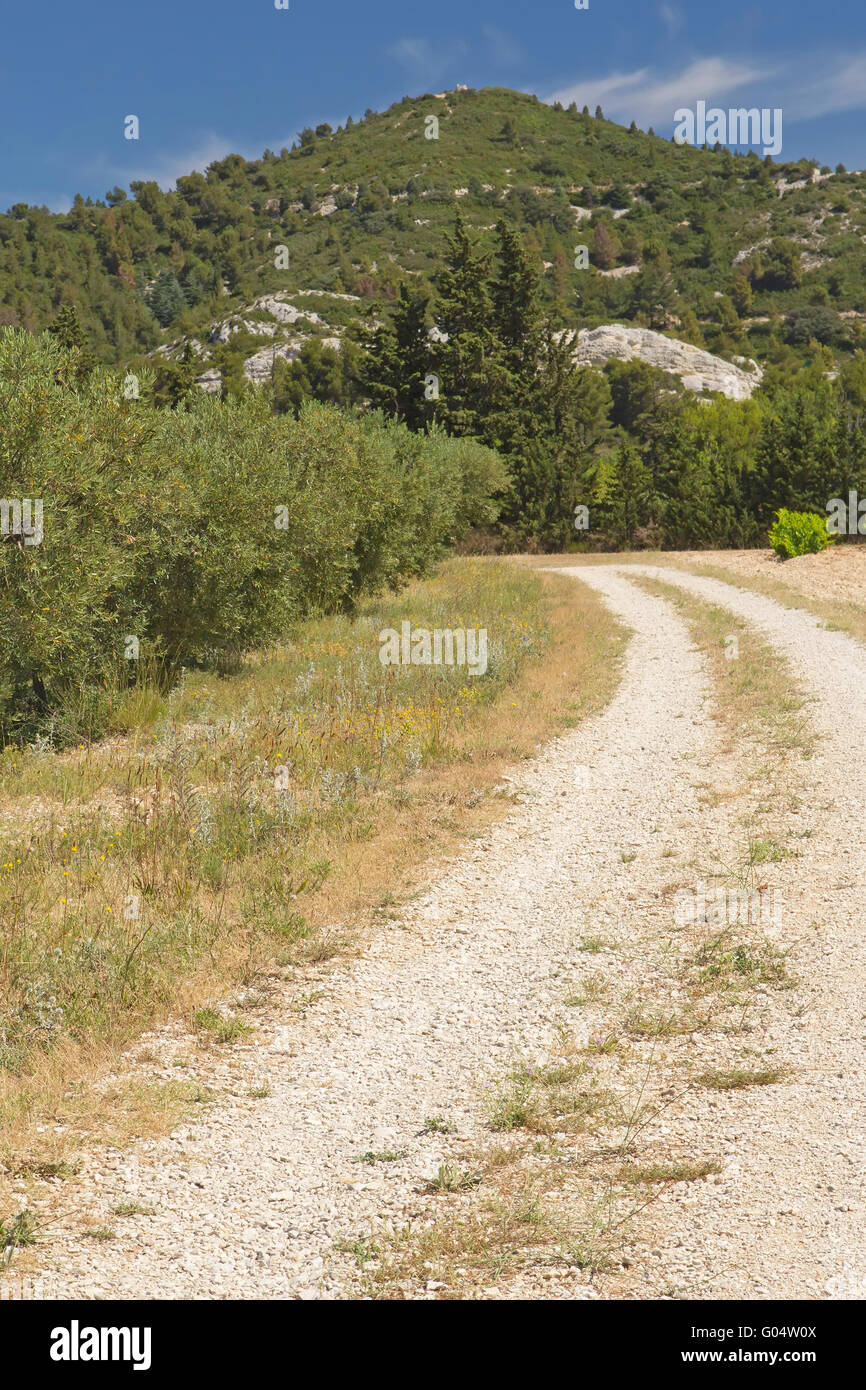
805	86
840	86
428	60
165	168
647	98
671	17
502	49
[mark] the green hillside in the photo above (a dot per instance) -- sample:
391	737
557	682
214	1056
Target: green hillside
362	208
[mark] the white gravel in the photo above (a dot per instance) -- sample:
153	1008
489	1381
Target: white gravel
796	1225
249	1200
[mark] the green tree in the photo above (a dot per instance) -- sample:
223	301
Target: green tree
67	330
399	361
166	299
654	296
463	317
175	380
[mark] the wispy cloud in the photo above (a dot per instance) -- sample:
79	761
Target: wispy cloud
429	60
163	167
672	18
54	202
502	50
805	86
840	85
646	97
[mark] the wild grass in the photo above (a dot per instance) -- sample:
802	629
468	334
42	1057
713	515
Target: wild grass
237	819
17	1232
560	1096
682	1171
737	1079
451	1178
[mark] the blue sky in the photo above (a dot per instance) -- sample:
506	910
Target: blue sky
208	77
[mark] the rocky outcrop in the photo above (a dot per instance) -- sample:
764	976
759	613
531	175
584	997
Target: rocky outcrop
698	370
290	327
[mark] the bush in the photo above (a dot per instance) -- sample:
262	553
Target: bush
816	321
799	533
201	532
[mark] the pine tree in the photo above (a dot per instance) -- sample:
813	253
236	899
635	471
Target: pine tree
606	246
398	362
517	320
463	316
166	298
654	296
175	379
518	330
632	492
67	329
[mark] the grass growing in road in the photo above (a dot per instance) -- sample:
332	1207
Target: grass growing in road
736	1079
587	1132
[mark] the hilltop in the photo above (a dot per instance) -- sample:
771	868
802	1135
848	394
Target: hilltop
749	258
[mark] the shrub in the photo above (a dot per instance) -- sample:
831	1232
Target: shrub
200	532
799	533
815	321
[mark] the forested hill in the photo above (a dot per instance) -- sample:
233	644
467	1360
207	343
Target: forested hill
732	252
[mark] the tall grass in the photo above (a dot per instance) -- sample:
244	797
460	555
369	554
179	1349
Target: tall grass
204	828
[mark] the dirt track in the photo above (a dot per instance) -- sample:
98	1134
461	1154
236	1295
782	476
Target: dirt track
250	1201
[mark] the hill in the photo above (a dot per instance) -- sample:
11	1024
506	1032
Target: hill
729	252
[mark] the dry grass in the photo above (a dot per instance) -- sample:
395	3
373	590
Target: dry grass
754	695
736	1079
831	586
683	1171
234	868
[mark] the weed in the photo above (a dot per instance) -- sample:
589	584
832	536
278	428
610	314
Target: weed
450	1178
222	1030
435	1124
360	1248
669	1172
736	1079
16	1232
46	1169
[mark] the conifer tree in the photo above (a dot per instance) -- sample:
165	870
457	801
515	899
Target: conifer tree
399	361
464	315
67	329
518	330
175	379
166	298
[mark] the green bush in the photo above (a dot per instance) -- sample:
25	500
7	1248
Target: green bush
799	533
201	532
